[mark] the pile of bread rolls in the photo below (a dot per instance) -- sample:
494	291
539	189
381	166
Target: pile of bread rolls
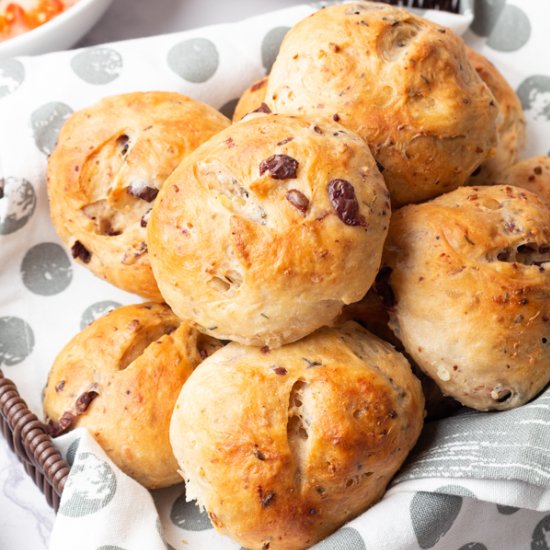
277	233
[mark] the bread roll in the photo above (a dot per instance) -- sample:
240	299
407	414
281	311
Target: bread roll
120	378
262	234
471	279
110	161
252	99
403	83
511	126
283	447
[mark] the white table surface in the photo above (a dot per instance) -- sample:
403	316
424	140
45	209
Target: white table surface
25	518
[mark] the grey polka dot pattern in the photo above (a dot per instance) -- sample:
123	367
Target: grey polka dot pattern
345	538
19	201
12	75
97	65
46	122
271	44
506	510
512	30
432	515
46	269
90	487
195	60
188	516
229	108
534	94
456	490
71	451
541	535
16	341
473	546
507	26
97	310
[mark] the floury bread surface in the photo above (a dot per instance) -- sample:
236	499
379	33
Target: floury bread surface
284	447
404	84
120	378
470	272
103	177
266	231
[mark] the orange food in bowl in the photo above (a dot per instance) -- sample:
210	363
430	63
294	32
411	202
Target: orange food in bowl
19	17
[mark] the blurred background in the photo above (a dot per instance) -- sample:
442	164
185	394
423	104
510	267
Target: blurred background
135	18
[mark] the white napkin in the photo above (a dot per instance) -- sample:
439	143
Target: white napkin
445	497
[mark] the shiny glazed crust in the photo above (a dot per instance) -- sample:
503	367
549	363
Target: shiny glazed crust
471	281
135	359
283	447
263	259
511	126
103	176
251	99
402	83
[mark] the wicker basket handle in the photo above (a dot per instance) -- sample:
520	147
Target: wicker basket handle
27	437
443	5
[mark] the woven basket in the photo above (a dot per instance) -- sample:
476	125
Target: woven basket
26	435
27	438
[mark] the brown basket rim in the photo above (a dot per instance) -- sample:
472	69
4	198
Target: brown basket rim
27	438
26	434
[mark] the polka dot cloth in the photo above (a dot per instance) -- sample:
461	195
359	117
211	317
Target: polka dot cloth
451	495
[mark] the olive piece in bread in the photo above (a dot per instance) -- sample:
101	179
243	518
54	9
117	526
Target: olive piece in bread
297	440
110	161
120	378
265	232
401	82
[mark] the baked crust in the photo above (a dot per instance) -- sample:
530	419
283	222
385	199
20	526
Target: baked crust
252	99
283	447
120	378
511	127
471	280
103	176
532	174
251	238
401	82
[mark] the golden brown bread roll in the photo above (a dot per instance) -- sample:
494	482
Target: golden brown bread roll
295	441
103	177
471	280
252	99
511	126
532	174
401	82
120	378
262	234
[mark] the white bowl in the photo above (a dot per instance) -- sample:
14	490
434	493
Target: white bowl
59	33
